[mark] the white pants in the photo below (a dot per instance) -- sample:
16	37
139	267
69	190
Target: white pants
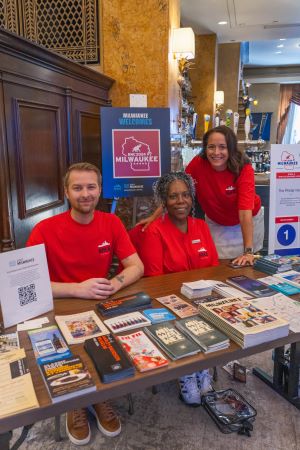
229	240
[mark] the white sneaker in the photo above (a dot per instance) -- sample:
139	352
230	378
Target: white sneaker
204	380
189	391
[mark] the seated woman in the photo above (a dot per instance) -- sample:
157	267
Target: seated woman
177	242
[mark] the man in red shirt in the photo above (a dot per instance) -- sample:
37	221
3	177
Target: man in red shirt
80	244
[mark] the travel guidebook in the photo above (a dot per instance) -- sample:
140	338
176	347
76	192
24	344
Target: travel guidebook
253	287
144	354
67	378
48	344
243	322
204	334
207	298
109	358
76	328
125	304
178	306
173	342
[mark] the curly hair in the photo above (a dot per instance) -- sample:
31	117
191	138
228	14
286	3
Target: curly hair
82	166
161	186
237	158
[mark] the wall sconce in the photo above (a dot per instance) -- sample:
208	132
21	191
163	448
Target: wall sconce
183	46
219	100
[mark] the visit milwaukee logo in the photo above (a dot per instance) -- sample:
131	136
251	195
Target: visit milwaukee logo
136	153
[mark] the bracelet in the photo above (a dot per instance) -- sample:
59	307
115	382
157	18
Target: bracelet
248	251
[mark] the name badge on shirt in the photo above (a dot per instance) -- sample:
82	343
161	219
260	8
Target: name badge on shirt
196	241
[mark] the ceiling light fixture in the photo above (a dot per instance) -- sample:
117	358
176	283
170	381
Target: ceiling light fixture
282	39
278	52
222	22
280	46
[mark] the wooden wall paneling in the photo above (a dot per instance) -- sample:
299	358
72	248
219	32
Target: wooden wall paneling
87	135
40	95
6	229
37	155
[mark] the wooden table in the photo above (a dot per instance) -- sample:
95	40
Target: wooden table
155	287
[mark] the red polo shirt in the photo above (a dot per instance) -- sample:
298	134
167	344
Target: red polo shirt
220	194
77	252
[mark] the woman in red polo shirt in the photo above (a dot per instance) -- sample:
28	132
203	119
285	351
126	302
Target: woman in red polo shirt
177	242
225	189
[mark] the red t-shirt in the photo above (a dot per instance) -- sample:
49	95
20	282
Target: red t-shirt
220	194
77	252
165	249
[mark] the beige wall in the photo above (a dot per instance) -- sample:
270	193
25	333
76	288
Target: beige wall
229	74
135	39
203	78
267	95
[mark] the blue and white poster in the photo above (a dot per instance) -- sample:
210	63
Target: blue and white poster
135	150
261	125
284	221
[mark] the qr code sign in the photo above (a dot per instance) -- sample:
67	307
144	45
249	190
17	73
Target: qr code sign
27	294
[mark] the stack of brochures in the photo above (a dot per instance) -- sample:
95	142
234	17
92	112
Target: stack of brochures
16	387
125	304
273	264
292	277
48	344
280	285
243	322
76	328
196	289
204	334
227	291
158	315
143	353
173	342
109	358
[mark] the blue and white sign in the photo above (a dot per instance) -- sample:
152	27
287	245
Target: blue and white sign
135	149
284	222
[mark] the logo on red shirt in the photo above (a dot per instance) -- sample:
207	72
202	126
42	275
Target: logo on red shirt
230	190
202	252
104	248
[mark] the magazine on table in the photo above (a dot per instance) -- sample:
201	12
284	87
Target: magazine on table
8	342
76	328
144	354
158	315
243	321
125	304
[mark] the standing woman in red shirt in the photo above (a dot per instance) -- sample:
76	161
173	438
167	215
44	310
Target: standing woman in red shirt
225	190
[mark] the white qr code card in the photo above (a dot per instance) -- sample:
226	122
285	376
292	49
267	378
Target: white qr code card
25	289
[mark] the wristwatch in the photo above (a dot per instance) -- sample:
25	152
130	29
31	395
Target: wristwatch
248	251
